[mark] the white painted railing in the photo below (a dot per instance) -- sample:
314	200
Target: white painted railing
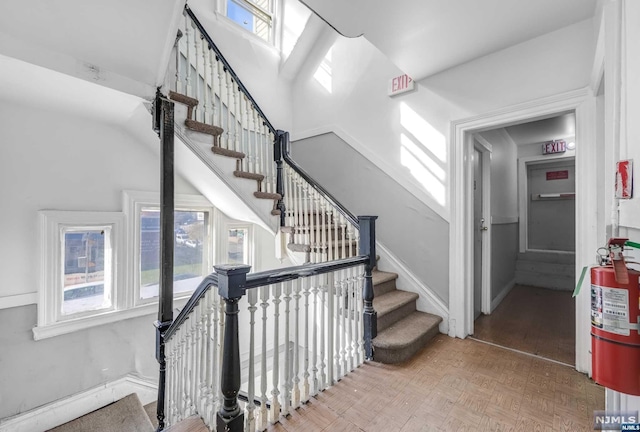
297	338
314	221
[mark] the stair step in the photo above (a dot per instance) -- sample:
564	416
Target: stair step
248	175
229	153
183	99
267	195
203	127
190	424
394	306
296	247
406	337
275	212
383	282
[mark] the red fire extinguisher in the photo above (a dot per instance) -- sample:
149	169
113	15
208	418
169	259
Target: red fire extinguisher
615	322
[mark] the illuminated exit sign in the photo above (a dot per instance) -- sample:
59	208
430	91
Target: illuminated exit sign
557	146
400	84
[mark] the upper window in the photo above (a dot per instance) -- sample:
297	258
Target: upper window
255	16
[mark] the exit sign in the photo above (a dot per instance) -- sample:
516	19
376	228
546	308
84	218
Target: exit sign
400	84
557	146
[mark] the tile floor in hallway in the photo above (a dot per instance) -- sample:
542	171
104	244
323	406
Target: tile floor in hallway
535	320
454	385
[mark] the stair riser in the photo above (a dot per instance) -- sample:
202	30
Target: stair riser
391	356
384	288
392	317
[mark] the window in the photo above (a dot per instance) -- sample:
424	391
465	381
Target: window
193	244
79	268
255	16
238	241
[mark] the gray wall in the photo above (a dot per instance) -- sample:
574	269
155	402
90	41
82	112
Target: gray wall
33	373
408	227
504	253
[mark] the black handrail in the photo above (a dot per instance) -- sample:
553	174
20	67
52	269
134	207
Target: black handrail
263	278
202	289
228	67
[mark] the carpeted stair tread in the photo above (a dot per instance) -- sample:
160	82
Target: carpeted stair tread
380	277
393	300
403	339
228	153
190	424
248	175
296	247
267	195
183	99
275	212
152	411
125	415
203	127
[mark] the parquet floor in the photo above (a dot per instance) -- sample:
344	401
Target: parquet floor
454	385
535	320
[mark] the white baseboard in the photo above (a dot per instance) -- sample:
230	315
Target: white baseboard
64	410
505	290
407	281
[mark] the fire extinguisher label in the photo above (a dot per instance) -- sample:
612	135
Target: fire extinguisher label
610	309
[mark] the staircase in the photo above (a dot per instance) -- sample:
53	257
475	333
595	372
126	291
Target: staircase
402	330
546	270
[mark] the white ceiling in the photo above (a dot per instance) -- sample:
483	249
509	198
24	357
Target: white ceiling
123	38
424	37
539	131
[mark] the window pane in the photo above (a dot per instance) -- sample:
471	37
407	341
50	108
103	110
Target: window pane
240	15
250	17
237	246
86	272
190	252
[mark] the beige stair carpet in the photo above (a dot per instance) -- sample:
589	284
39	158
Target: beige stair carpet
125	415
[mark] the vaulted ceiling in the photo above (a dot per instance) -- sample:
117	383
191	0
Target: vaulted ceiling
424	37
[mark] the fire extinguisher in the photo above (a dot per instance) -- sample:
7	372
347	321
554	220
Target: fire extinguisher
615	322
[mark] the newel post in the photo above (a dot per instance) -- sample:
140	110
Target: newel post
163	124
231	287
280	147
368	247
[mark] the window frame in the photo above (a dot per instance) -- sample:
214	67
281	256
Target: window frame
134	202
52	224
274	35
249	241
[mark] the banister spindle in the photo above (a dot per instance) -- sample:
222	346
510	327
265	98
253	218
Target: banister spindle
237	117
264	304
323	326
188	25
314	329
205	83
331	316
295	392
229	100
286	376
213	68
197	40
343	302
258	150
252	297
231	287
275	393
305	368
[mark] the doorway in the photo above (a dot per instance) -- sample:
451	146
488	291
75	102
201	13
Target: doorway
530	227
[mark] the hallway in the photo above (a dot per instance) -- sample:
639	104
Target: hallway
454	385
533	320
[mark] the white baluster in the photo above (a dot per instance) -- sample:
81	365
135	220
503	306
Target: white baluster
330	221
188	35
246	141
286	378
331	349
304	193
197	39
197	362
213	79
339	296
259	150
180	400
344	304
221	86
315	329
227	129
341	233
178	50
275	400
206	115
323	310
255	149
352	319
264	304
213	370
237	118
295	393
360	310
307	317
250	425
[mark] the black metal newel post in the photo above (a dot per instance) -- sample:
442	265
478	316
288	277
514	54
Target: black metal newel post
163	124
368	247
279	148
231	286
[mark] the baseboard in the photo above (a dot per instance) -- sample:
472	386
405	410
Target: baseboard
64	410
407	281
505	290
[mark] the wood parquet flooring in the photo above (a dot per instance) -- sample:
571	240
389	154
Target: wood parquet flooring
534	320
454	385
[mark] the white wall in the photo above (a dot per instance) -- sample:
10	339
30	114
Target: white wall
358	109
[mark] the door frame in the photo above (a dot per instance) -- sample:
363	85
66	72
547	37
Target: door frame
485	149
461	200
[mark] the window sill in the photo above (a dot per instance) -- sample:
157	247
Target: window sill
65	327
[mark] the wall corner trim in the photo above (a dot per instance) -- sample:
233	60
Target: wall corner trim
69	408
